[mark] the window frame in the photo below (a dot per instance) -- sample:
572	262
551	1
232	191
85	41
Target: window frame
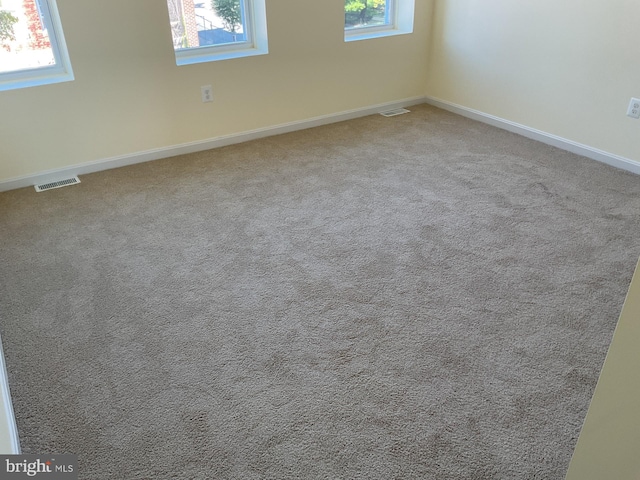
49	74
255	26
400	14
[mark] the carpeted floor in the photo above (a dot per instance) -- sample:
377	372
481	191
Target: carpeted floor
420	296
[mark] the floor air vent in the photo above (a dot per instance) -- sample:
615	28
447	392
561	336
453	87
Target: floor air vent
393	113
60	183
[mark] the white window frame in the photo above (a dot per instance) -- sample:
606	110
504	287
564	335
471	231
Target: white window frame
255	22
400	13
60	72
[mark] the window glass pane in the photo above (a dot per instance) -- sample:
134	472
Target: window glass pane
24	36
204	23
366	13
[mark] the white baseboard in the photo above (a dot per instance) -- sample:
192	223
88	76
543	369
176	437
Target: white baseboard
544	137
9	440
165	152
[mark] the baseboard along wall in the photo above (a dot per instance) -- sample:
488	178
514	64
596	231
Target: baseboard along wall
543	137
165	152
198	146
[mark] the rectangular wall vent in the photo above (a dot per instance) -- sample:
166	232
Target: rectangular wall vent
393	113
59	184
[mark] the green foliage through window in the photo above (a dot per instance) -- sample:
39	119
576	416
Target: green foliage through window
359	13
6	26
230	12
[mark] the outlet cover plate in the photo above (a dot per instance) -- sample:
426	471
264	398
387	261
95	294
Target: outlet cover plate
634	108
207	93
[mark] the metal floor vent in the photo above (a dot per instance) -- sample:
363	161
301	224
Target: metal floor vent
59	184
393	113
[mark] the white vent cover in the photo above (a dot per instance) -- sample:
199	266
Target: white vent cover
59	184
393	113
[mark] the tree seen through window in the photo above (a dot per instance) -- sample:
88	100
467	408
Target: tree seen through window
365	13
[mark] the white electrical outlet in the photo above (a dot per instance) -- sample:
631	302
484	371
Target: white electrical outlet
634	108
207	93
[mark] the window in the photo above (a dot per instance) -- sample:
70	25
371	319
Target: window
32	47
209	30
364	19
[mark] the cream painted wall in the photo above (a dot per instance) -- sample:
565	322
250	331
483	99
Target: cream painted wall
610	439
567	67
129	96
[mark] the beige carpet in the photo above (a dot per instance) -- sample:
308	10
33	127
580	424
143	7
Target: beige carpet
420	296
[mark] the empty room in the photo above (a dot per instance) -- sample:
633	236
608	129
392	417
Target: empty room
319	239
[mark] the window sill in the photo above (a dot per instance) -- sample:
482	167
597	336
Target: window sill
191	59
35	81
391	32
